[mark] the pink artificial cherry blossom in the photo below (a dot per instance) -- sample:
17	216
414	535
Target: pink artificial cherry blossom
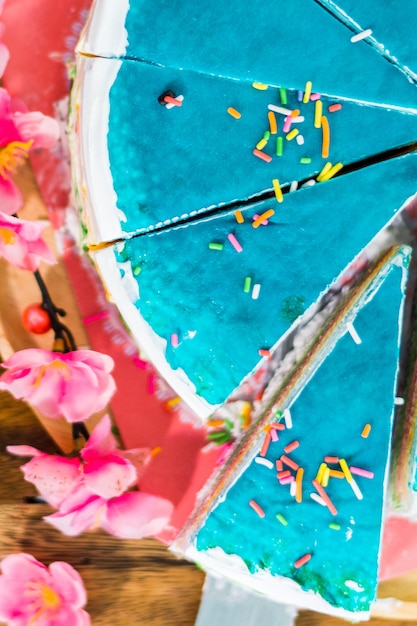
32	594
21	243
73	385
19	133
91	491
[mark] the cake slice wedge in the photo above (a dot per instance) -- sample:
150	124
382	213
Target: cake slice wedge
297	513
273	41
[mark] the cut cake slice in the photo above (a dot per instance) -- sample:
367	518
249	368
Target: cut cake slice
273	41
148	165
298	513
202	300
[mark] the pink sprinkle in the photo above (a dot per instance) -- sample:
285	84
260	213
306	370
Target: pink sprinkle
174	340
96	317
234	242
274	434
140	363
151	384
361	472
287	124
287	480
315	96
264	223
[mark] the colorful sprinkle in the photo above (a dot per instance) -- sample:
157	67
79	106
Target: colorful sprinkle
292	134
265	445
151	384
335	474
283	474
319	476
260	86
176	102
262	155
283	95
317	499
291	446
261	461
294	185
334	526
137	270
170	404
280	110
325	146
332	108
273	127
359	471
331	172
265	216
247	283
281	519
359	36
215	246
280	146
234	242
234	113
287	418
267	135
261	144
314	97
307	91
287	124
279	465
299	483
239	217
350	479
325	497
331	459
174	340
287	481
287	461
326	476
293	489
353	333
366	431
255	506
305	160
302	561
318	113
96	317
300	140
265	353
277	190
256	291
324	171
300	95
140	363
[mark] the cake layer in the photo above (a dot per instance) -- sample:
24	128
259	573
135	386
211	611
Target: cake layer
202	295
274	41
167	164
323	533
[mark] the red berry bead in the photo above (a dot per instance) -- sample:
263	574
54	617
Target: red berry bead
36	320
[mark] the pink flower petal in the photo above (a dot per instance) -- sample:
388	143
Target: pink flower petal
135	515
4	57
77	521
109	477
54	477
42	129
101	441
68	584
24	451
11	200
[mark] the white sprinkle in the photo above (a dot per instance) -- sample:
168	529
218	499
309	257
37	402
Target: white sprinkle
255	291
352	584
287	418
317	498
352	332
309	183
294	184
261	461
355	489
363	35
281	110
297	119
300	140
399	401
169	105
293	489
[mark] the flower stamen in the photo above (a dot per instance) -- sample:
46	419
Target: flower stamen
8	236
47	600
59	367
12	156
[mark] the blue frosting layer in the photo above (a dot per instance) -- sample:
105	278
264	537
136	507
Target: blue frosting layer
354	386
166	163
196	292
273	41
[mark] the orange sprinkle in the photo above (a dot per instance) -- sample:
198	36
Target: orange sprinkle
299	484
283	474
325	497
331	459
262	155
278	426
291	446
302	561
287	461
273	128
336	474
295	113
234	113
334	107
156	451
263	352
215	423
257	508
173	402
239	217
265	445
366	430
325	147
261	218
174	101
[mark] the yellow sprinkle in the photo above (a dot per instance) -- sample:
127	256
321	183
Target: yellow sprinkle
239	217
366	431
272	123
325	146
320	473
331	172
246	414
277	190
261	144
318	112
299	485
324	171
346	470
326	476
260	86
292	134
307	91
234	113
265	216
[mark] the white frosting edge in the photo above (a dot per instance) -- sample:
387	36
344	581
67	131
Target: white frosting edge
104	33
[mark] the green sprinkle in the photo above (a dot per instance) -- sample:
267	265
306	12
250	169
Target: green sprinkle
334	526
283	95
282	519
247	284
267	135
137	270
278	414
305	160
279	146
216	246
